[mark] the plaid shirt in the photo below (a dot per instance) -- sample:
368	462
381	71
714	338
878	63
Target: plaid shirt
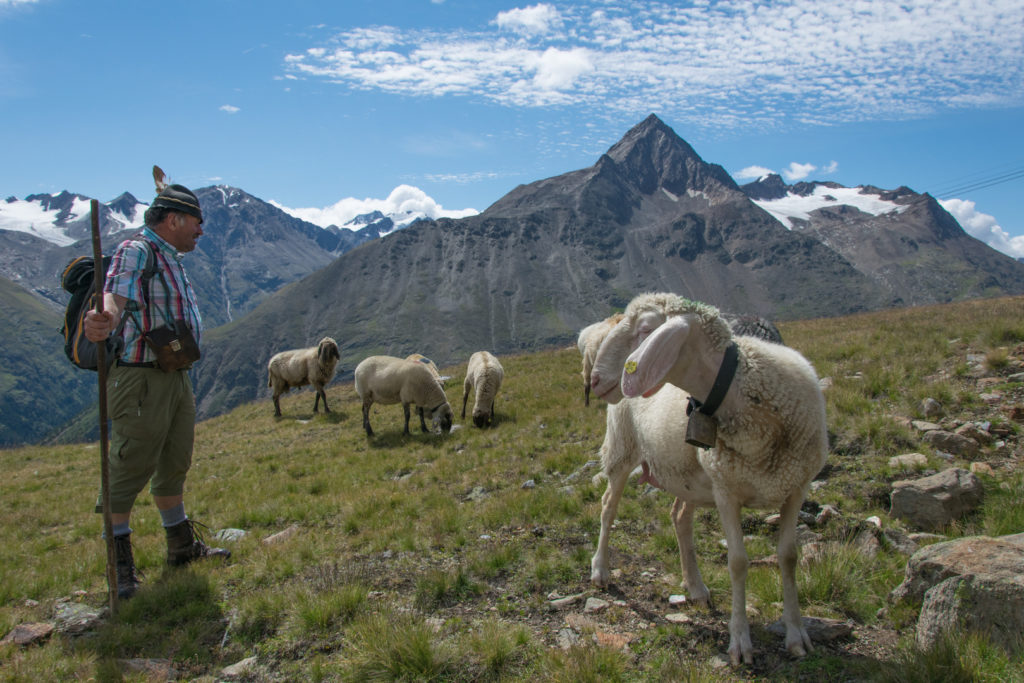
176	301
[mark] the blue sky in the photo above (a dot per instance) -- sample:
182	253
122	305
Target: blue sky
447	105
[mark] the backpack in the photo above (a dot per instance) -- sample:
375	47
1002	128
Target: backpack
79	279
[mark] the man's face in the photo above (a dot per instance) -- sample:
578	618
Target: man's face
183	231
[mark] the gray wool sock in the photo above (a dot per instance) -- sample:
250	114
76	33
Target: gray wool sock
173	516
121	529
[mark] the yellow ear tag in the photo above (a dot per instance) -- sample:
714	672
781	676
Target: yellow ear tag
630	367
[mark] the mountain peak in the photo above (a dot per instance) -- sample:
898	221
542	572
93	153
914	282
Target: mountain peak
654	156
649	157
364	219
770	186
650	136
125	203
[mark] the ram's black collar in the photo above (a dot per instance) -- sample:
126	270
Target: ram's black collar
726	372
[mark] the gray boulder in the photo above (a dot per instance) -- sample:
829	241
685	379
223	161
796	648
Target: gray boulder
957	444
969	584
976	433
932	408
77	617
932	502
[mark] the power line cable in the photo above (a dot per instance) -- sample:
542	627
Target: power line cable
983	184
1000	173
970	182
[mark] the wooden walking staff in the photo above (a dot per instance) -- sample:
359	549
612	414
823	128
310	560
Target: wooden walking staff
101	373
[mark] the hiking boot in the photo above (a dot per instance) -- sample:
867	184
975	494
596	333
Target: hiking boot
127	578
185	544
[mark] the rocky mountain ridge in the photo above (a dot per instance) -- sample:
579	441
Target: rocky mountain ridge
904	241
249	249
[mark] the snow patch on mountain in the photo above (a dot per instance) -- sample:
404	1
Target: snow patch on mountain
48	220
795	207
32	217
129	222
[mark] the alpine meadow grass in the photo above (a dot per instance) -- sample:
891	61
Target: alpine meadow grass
441	558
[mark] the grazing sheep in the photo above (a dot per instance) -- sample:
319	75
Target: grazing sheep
299	367
387	380
484	373
588	343
771	439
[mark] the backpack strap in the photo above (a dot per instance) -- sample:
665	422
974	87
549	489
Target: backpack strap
150	270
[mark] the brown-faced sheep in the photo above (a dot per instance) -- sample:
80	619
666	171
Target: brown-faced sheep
299	367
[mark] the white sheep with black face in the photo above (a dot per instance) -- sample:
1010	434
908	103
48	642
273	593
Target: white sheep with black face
388	380
298	367
771	439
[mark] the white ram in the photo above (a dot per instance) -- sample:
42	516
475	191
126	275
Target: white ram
771	439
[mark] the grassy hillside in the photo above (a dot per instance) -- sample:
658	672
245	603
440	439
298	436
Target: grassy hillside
436	558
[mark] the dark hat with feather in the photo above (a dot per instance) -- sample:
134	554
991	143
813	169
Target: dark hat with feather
179	198
175	197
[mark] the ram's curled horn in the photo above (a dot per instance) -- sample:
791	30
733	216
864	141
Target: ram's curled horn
160	178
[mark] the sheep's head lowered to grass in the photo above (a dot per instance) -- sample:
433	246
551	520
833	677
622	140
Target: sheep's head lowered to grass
441	418
632	360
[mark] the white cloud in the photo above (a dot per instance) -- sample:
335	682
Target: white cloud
984	227
536	19
229	109
797	171
715	64
830	168
752	172
559	69
404	199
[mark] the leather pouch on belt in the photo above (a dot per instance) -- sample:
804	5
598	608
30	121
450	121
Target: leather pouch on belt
175	349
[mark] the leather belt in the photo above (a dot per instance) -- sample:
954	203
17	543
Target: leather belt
125	364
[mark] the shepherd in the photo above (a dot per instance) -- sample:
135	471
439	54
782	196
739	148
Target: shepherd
150	400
